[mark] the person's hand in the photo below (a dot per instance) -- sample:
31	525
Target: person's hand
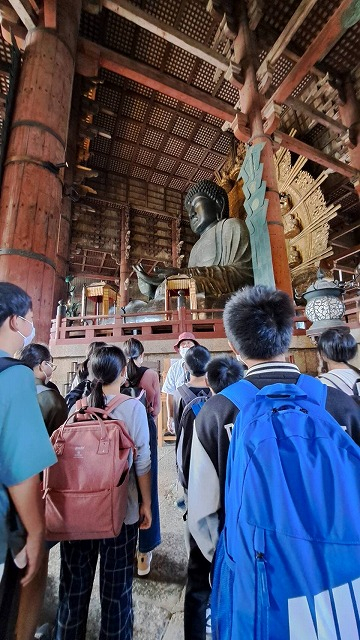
145	516
152	279
170	424
34	550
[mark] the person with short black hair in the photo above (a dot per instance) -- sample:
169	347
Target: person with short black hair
223	371
258	324
25	451
196	360
189	399
52	404
336	347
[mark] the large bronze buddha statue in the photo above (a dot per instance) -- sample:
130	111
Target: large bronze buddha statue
220	260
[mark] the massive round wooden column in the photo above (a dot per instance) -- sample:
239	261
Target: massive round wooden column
31	195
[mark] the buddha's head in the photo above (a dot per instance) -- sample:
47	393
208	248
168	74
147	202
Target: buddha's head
206	204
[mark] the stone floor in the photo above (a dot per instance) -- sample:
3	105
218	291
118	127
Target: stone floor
158	598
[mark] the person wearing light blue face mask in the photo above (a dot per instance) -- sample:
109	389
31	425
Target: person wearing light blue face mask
25	450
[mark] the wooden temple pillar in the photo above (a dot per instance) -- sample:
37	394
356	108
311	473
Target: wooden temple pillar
251	104
175	233
31	196
64	233
349	109
125	268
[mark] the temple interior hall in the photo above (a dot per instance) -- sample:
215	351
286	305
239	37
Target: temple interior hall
155	157
111	110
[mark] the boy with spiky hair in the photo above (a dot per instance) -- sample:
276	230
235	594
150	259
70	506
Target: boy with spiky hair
258	324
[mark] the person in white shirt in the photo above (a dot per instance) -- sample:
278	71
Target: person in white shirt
176	376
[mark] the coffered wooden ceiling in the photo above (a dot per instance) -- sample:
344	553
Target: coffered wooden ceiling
164	105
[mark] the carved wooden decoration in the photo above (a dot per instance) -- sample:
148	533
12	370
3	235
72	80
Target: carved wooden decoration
256	206
306	219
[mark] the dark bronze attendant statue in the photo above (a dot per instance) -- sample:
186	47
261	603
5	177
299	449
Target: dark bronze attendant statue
220	260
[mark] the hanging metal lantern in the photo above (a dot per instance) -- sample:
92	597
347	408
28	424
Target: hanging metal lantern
324	305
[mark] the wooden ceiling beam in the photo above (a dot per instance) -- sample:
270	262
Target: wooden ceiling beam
303	149
338	243
344	17
94	276
284	38
156	80
346	253
50	14
315	114
166	32
294	56
345	269
25	13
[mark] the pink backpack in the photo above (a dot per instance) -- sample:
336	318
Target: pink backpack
86	492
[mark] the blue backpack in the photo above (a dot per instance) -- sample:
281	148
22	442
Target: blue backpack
287	565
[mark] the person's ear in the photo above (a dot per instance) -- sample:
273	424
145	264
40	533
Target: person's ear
237	354
13	323
232	348
220	207
123	372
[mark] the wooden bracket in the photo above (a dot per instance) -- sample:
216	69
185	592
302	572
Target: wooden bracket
235	75
87	64
255	12
271	114
265	79
240	127
214	10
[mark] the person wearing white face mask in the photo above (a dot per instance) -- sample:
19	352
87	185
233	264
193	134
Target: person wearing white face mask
52	404
54	411
25	450
30	337
177	376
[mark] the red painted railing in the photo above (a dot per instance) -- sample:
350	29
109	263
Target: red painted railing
206	323
159	325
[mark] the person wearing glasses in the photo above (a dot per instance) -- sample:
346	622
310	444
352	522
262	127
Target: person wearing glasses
52	404
54	411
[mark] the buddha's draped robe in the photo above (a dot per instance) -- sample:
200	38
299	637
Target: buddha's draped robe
220	261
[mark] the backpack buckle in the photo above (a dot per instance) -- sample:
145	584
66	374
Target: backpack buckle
104	447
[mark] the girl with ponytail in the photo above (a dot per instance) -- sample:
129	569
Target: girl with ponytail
141	377
79	558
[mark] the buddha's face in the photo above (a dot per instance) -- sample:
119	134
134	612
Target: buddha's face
202	213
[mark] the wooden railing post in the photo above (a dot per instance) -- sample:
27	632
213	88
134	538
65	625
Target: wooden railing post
182	319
